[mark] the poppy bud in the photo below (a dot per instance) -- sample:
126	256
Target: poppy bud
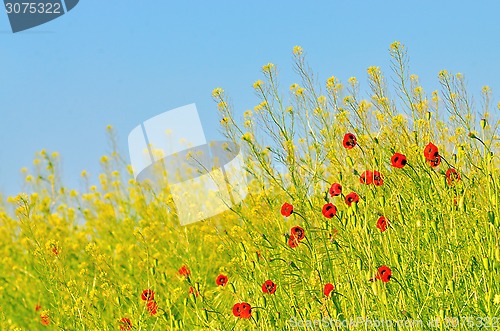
451	285
349	161
256	256
485	263
376	140
340	176
231	286
483	123
256	314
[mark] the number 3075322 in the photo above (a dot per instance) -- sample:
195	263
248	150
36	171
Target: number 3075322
33	8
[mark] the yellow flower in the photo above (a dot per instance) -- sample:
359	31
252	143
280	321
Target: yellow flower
258	84
217	92
268	67
297	50
496	300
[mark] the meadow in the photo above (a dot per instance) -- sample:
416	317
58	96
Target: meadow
363	212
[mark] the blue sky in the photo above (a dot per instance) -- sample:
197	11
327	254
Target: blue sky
121	62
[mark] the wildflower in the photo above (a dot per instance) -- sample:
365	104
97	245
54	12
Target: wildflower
192	290
147	295
184	271
242	310
152	307
382	223
297	232
38	307
349	141
384	274
431	151
435	162
377	178
125	324
398	160
329	210
293	241
452	176
269	287
328	289
350	198
221	280
44	319
286	209
335	189
366	177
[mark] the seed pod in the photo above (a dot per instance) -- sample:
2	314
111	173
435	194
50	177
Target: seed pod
485	263
491	217
263	302
205	315
359	263
428	116
483	123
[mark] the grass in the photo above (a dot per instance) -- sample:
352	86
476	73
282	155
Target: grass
81	260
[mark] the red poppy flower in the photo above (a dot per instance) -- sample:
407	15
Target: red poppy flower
366	177
293	241
328	289
242	310
350	198
452	176
335	189
329	210
38	307
221	280
286	209
398	160
269	287
125	324
298	232
434	162
431	151
384	273
192	290
378	178
382	223
147	295
184	271
349	141
44	320
152	307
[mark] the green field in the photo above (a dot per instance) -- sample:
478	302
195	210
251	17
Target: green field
298	252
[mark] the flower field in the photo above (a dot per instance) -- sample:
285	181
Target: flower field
361	208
